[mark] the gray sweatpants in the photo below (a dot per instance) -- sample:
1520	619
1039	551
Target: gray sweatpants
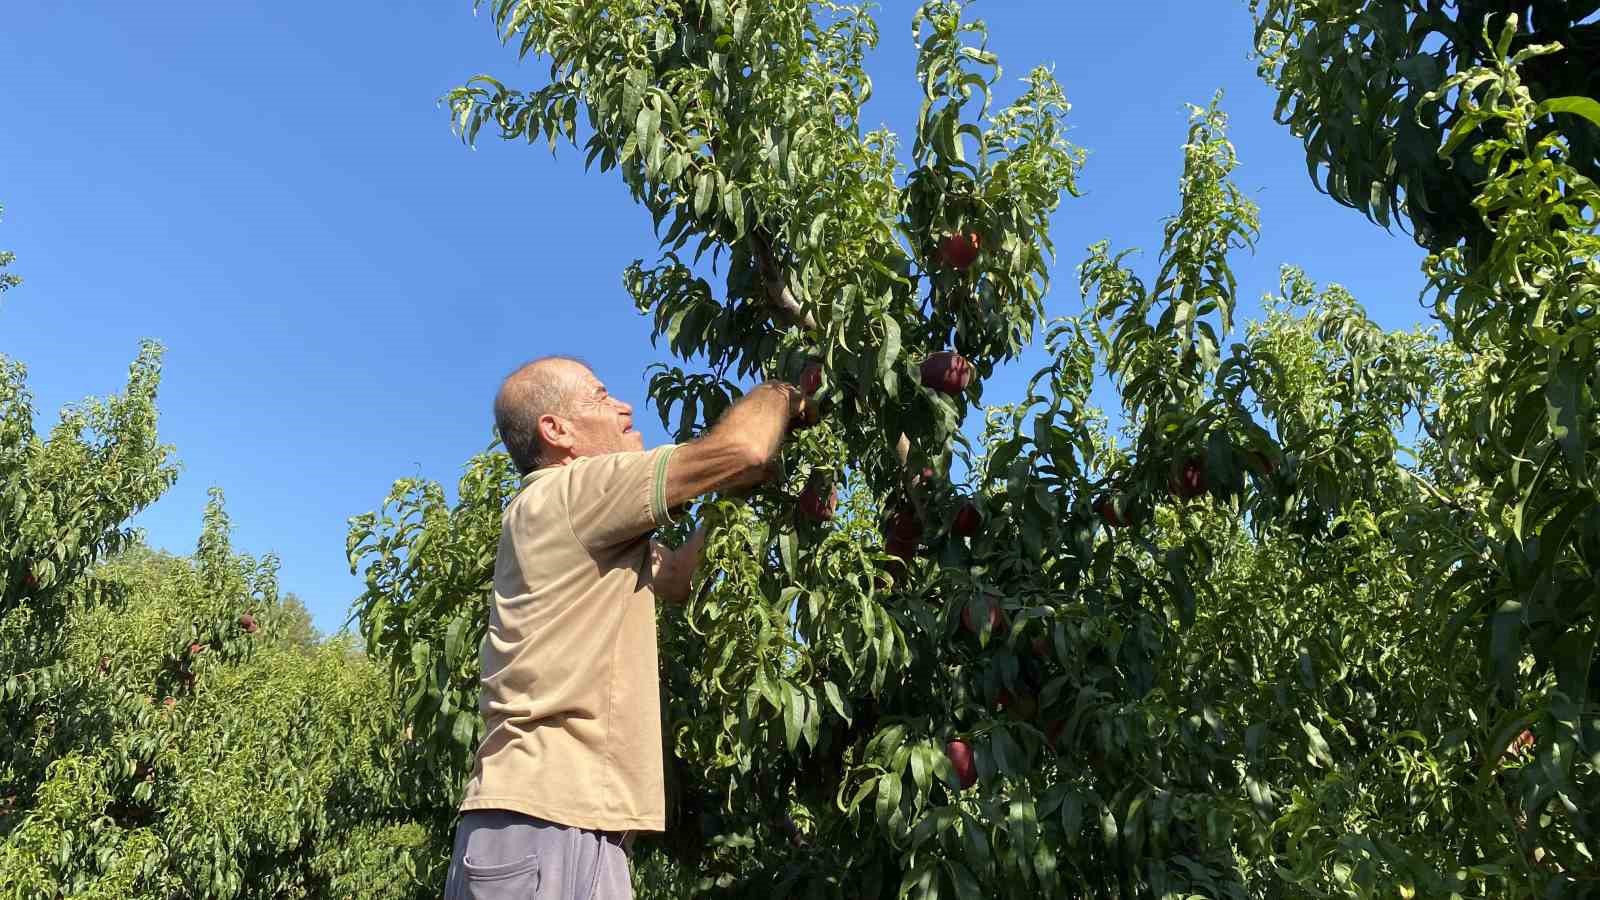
503	855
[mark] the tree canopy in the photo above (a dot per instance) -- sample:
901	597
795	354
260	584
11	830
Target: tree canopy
1310	612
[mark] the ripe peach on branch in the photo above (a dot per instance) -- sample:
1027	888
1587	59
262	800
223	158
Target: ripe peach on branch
1190	480
811	378
903	533
947	372
959	251
819	500
1113	510
967	520
996	618
960	755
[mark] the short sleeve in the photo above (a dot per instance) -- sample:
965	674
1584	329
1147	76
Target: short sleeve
618	497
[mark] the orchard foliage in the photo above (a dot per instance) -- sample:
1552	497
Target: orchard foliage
65	495
8	280
1370	86
1223	650
1315	617
162	739
429	572
1492	156
737	125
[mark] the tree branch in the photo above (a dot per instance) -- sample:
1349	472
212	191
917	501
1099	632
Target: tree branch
784	304
788	310
1435	492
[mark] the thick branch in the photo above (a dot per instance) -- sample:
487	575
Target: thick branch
784	304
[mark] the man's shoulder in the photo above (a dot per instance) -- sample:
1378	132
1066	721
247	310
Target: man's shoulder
615	459
552	487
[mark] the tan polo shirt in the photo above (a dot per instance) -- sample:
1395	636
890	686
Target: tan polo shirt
570	695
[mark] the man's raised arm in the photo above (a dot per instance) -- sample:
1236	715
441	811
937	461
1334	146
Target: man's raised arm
738	451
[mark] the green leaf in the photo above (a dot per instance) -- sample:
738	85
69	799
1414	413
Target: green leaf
889	350
888	806
831	690
861	794
453	641
647	126
733	207
1177	560
793	715
633	88
461	732
705	187
977	842
652	164
1261	795
1007	755
813	721
1320	754
674	165
965	884
789	549
1566	411
922	881
1505	642
934	822
919	771
1587	107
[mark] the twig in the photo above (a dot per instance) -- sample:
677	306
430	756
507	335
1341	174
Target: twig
1437	495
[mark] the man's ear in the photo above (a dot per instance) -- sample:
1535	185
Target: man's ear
554	433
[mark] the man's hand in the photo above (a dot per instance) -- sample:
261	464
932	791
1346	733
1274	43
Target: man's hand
803	413
674	569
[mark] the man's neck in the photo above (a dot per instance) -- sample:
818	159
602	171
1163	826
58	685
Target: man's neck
541	464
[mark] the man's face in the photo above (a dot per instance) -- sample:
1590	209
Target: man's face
601	423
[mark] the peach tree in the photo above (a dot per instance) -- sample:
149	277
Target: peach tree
1012	650
1478	124
162	739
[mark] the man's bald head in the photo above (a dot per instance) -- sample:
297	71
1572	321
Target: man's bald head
547	386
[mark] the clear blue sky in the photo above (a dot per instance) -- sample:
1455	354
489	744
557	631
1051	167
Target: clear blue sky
271	191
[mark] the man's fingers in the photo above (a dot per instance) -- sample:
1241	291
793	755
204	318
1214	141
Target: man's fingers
808	414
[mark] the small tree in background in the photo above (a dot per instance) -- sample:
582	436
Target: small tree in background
8	280
297	627
172	728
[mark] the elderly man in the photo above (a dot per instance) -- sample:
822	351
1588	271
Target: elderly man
571	763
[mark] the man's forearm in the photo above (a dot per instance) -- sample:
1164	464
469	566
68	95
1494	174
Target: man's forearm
739	450
761	418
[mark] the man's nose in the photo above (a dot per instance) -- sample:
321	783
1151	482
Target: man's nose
623	407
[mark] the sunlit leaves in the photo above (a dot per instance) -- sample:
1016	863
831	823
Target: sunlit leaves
161	748
1492	151
1255	681
1354	82
428	568
8	280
